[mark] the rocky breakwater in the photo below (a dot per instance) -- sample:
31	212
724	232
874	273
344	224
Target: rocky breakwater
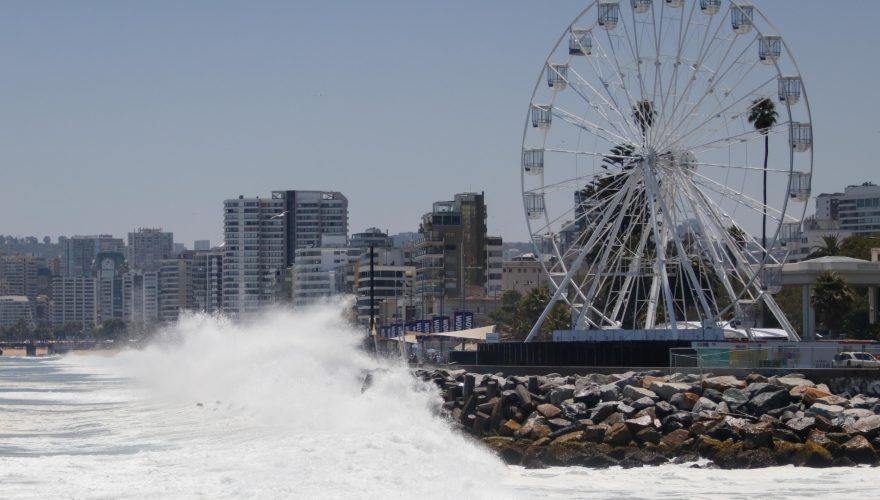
634	419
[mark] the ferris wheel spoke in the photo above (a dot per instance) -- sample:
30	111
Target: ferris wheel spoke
703	52
717	77
672	87
772	212
741	138
623	84
584	124
741	167
608	97
619	127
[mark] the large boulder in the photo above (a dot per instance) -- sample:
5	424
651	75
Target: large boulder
677	439
767	401
868	426
859	450
790	383
602	410
639	423
561	393
684	401
862	401
609	392
646	402
589	395
549	410
735	398
762	387
704	404
618	435
634	393
812	394
801	425
668	389
833	400
595	433
858	413
724	382
827	411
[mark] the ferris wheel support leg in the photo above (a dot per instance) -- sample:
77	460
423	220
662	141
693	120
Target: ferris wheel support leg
780	316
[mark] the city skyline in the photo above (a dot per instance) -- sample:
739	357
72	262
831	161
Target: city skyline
109	117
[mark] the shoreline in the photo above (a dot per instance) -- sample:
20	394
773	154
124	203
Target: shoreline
652	418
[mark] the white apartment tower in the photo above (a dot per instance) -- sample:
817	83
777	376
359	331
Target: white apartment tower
254	253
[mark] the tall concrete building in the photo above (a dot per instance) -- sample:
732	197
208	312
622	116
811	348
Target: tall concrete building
75	299
310	214
202	245
190	282
494	266
393	284
207	281
140	298
147	247
254	253
108	271
80	251
451	256
323	271
857	209
19	275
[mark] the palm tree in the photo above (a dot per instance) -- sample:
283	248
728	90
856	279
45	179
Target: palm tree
763	115
644	115
832	298
830	246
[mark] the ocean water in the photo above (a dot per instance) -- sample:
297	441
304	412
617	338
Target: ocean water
274	409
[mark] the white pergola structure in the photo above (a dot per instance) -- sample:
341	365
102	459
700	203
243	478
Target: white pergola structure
856	272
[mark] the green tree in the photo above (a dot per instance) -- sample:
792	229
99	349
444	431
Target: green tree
830	246
833	299
858	246
505	316
529	309
763	115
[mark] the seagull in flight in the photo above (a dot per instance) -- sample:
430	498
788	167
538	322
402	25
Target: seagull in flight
278	216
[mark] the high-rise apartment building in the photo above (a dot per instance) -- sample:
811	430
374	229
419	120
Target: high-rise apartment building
108	271
323	271
75	299
202	245
80	251
254	253
310	214
19	275
494	266
147	247
392	282
207	281
14	310
451	255
140	297
857	209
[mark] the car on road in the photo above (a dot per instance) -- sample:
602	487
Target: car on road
855	360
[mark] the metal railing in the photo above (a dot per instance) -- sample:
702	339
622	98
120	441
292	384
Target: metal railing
767	355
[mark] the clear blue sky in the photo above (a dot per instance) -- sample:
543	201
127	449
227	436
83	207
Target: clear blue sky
120	114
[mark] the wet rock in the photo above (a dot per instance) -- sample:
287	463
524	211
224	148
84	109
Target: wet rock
677	439
625	409
755	377
800	425
812	394
859	450
662	408
509	428
646	402
827	411
507	448
648	435
574	411
635	393
812	454
602	410
858	413
724	382
618	435
735	398
540	431
790	382
862	401
767	401
560	394
678	420
868	426
761	387
560	423
785	435
665	390
595	433
609	392
684	401
704	404
588	396
833	401
614	418
573	436
649	380
549	410
712	395
637	424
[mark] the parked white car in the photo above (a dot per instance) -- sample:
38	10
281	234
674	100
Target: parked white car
855	360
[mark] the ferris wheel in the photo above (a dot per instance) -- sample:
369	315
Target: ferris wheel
666	160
